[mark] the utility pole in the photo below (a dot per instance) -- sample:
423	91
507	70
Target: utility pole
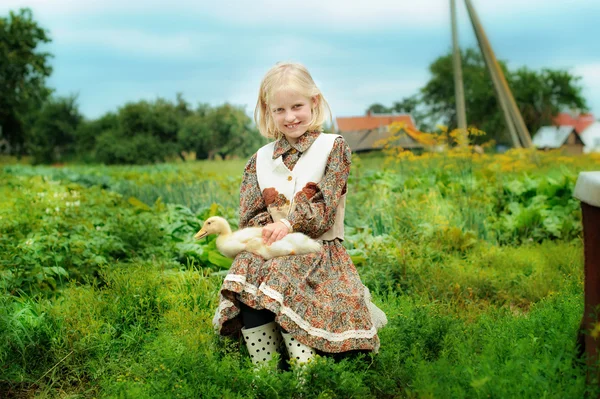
459	92
512	116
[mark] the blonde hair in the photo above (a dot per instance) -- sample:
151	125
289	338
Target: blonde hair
291	76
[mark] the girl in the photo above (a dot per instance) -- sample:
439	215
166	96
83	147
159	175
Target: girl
314	302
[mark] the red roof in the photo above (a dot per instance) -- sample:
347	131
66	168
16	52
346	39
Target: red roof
580	122
368	122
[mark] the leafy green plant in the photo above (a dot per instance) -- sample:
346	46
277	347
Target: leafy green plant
54	232
479	272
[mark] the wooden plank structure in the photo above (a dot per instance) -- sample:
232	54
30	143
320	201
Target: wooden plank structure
587	190
512	116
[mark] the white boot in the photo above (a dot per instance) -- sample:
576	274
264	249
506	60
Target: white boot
296	350
262	342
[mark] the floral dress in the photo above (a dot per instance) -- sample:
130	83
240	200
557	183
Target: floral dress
318	298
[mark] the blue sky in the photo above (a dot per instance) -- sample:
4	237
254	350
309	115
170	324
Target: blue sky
113	51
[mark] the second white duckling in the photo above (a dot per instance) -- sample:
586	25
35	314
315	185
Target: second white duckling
250	239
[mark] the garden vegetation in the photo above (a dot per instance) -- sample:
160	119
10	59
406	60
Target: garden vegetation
476	259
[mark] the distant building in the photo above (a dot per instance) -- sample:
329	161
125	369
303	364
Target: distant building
569	132
591	137
554	137
578	122
366	133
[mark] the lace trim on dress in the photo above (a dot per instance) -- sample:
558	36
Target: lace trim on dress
303	324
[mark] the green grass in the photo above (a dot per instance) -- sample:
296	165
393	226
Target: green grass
111	298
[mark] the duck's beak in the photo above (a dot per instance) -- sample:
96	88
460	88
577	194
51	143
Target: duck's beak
200	234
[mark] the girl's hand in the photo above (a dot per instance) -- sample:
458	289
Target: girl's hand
274	232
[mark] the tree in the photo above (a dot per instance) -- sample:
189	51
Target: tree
88	132
195	133
225	131
378	108
412	105
113	148
144	132
147	132
232	132
182	106
23	72
53	134
539	95
408	105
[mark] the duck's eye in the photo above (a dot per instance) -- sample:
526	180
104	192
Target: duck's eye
209	223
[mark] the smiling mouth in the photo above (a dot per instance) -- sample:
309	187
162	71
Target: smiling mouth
293	126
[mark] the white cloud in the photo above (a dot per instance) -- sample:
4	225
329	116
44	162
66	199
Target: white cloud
135	41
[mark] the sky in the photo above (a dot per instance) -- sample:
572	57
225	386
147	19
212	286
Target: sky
110	52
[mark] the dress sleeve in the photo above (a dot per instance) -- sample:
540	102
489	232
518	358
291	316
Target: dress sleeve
316	204
253	210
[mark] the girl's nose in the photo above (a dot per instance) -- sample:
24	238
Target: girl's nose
289	116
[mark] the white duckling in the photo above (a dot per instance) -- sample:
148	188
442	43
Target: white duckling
250	239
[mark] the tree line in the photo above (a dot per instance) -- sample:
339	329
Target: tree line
141	132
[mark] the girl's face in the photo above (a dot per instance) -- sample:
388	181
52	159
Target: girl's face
292	113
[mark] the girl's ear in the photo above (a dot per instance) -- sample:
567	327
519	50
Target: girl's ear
315	101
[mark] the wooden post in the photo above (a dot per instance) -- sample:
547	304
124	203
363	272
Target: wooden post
459	92
587	190
512	115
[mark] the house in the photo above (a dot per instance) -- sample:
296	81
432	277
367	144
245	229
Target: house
591	137
579	122
585	126
554	137
365	133
569	132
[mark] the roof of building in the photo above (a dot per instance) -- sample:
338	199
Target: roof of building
374	139
370	131
371	121
579	122
552	136
591	136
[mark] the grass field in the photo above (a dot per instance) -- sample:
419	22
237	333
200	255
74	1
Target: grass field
476	260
